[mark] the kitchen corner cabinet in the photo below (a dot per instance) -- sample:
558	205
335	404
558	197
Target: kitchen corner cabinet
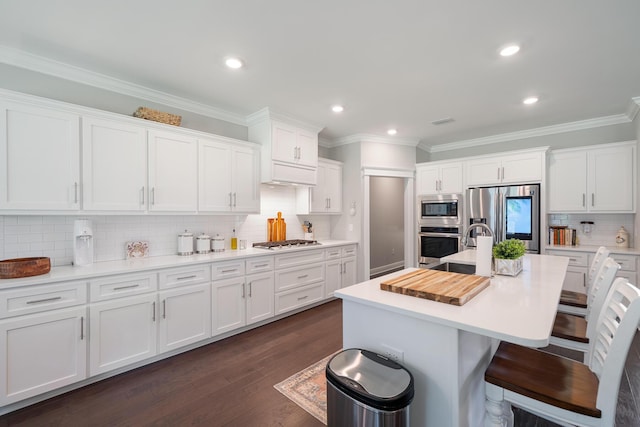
173	177
228	177
289	152
439	178
326	196
39	158
599	179
114	166
507	169
340	268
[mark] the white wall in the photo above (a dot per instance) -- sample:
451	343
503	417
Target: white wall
52	236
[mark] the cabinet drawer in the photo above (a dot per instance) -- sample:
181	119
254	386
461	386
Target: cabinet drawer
579	259
121	286
290	300
627	262
631	276
304	258
349	251
258	265
333	253
36	299
295	277
224	270
184	276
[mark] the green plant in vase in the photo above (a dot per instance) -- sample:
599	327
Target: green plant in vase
508	257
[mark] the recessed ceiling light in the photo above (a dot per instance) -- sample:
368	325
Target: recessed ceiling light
512	49
234	63
337	108
392	132
530	100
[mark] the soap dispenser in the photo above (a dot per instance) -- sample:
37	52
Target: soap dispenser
82	242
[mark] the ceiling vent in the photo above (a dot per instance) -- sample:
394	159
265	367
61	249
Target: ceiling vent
442	121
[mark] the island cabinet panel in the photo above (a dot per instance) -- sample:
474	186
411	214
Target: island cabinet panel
42	352
114	165
38	142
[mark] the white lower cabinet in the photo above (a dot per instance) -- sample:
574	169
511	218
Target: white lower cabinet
184	316
242	300
576	278
42	352
340	269
299	279
122	331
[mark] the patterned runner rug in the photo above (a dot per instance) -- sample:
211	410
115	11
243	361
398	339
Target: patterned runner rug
308	389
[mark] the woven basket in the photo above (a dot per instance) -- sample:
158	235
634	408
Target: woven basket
24	267
157	116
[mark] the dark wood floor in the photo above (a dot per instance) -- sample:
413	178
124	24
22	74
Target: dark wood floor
230	383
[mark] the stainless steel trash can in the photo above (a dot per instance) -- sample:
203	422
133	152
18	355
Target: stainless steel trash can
365	389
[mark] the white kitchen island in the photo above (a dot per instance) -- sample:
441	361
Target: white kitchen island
447	348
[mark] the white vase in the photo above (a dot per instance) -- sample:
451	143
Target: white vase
508	267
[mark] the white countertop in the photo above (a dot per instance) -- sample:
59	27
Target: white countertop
594	249
133	265
517	309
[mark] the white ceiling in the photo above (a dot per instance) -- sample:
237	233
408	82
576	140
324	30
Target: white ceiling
401	63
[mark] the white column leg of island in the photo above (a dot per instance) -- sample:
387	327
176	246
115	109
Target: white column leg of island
498	411
447	364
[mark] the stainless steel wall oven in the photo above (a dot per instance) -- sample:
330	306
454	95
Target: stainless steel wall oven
440	227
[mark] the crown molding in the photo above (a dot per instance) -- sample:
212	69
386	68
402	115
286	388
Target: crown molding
634	108
363	137
530	133
268	113
66	71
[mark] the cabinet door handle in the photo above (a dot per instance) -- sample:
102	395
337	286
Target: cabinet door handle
81	328
329	199
164	308
234	200
243	290
498	174
75	191
40	301
119	288
502	172
250	289
142	196
193	276
153	195
584	199
229	199
153	311
593	199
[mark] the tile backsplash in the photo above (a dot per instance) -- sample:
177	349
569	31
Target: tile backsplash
52	235
604	228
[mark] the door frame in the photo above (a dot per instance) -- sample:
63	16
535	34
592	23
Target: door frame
409	202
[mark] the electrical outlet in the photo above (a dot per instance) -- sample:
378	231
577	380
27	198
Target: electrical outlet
392	353
393	251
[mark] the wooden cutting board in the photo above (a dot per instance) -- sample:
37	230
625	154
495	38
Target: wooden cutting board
441	286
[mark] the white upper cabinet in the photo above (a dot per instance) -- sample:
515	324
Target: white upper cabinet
114	162
507	169
39	158
289	151
326	196
439	178
173	173
228	177
597	179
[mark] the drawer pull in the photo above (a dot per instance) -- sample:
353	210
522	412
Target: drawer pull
304	297
573	259
193	276
260	265
303	276
40	301
119	288
229	271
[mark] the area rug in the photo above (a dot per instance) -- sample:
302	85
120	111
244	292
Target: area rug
308	389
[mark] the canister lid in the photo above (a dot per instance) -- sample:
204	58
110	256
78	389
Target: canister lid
371	378
203	237
185	234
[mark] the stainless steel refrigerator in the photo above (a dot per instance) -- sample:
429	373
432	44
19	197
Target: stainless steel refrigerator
512	212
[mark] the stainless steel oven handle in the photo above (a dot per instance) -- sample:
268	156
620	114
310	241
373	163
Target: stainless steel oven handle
451	235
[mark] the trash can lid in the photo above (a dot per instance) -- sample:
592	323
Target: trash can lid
371	378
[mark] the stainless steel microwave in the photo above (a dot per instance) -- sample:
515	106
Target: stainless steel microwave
440	209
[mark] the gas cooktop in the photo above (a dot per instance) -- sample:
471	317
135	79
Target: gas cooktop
285	244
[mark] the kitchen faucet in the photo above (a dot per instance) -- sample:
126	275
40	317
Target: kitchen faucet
485	228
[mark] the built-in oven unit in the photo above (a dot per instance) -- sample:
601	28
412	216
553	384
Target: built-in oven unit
435	242
440	209
440	227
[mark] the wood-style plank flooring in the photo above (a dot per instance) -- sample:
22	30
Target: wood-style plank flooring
230	383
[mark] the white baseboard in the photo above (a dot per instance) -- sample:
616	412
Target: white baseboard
386	268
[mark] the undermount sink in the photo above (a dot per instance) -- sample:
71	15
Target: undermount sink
454	267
